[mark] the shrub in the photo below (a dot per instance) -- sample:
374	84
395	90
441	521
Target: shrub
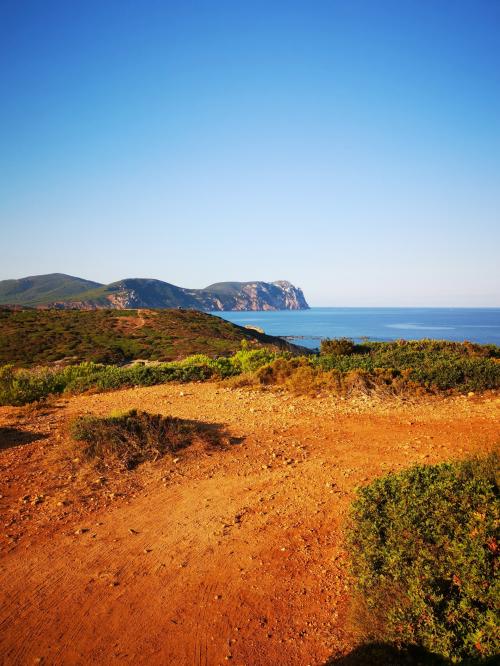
24	386
249	361
135	437
424	558
337	346
278	371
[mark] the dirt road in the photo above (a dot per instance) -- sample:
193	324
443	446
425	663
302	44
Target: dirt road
225	556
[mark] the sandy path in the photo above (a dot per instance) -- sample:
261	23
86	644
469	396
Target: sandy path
234	556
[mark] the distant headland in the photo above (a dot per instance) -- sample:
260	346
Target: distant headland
57	290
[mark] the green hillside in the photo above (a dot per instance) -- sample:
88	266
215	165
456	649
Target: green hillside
38	337
39	289
156	293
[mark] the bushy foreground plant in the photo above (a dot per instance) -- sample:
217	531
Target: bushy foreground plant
424	550
135	437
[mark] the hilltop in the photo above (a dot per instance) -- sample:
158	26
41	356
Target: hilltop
34	337
61	291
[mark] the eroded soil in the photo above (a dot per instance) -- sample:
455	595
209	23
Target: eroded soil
230	555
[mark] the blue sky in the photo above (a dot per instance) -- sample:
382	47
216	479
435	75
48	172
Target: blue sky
350	147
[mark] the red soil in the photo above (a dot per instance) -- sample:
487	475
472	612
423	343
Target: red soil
224	556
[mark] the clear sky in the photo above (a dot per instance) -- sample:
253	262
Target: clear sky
351	147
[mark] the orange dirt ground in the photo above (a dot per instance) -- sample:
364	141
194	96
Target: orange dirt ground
224	556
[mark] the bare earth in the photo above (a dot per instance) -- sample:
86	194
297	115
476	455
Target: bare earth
225	556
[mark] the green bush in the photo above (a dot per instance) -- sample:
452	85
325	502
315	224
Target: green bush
249	361
434	364
18	387
424	554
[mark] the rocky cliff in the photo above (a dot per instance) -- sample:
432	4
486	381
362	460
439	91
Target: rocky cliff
147	293
280	295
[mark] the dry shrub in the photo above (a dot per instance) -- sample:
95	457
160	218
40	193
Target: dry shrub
134	437
380	383
240	381
301	377
280	370
337	346
303	380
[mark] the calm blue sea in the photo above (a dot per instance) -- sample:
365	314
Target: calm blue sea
307	327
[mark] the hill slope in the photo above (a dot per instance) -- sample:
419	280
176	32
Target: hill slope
63	291
43	288
35	337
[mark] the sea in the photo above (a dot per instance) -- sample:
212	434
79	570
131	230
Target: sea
309	327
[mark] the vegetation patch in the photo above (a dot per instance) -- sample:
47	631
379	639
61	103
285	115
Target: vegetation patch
44	337
434	364
22	386
135	437
385	369
424	550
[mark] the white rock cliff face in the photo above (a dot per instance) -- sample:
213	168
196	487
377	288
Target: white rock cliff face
280	295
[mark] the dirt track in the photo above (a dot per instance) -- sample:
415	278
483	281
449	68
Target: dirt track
230	556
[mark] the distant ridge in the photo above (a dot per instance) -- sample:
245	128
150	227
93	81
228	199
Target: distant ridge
37	289
57	290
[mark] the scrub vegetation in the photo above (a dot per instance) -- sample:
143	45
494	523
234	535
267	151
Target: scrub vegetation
45	337
385	368
389	368
424	555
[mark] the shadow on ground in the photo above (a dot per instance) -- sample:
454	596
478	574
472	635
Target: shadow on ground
380	654
214	435
10	437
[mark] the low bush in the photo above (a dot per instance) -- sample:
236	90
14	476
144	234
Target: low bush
18	387
251	360
135	437
424	554
435	365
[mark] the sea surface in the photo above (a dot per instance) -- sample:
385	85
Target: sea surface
308	327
